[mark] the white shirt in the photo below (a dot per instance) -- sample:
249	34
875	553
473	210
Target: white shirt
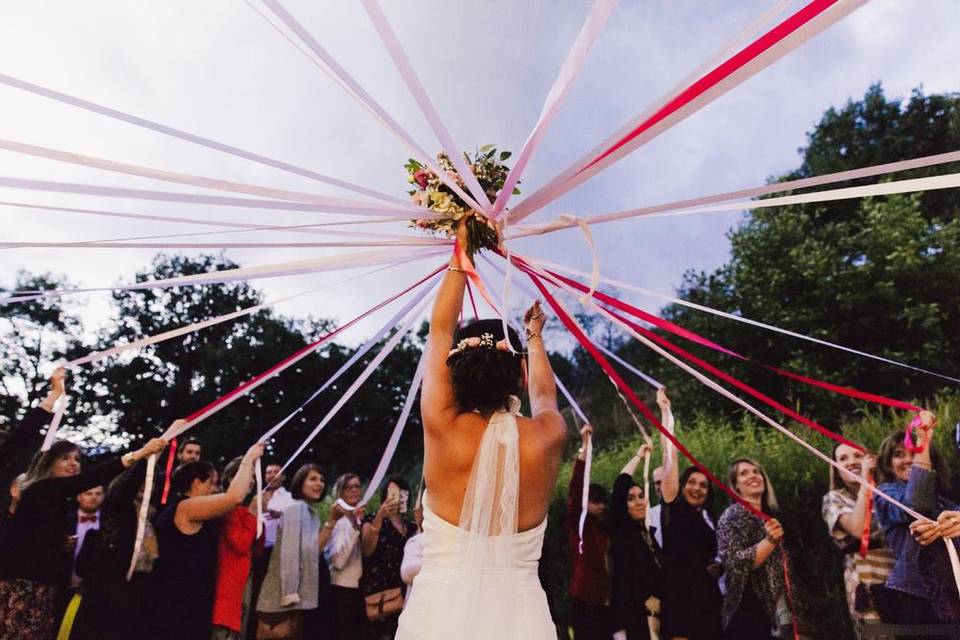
343	554
279	502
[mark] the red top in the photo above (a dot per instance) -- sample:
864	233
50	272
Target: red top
590	582
234	552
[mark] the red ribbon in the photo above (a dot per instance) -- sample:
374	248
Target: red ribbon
722	71
697	338
908	436
473	303
169	470
867	518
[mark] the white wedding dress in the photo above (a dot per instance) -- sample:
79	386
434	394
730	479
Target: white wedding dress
479	580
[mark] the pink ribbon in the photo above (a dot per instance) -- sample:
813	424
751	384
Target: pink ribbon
908	436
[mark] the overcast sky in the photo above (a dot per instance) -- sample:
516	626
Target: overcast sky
217	69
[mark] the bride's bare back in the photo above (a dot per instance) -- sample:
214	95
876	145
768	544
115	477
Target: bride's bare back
452	436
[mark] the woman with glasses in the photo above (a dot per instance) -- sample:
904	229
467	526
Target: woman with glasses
345	559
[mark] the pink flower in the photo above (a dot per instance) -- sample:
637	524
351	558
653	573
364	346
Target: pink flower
421	177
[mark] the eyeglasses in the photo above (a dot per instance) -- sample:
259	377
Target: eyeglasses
353	486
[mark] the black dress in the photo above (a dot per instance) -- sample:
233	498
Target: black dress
381	571
636	565
102	564
691	601
186	574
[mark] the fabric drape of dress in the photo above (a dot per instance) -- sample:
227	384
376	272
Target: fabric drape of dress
479	578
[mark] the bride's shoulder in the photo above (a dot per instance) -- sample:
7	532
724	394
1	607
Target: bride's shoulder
548	427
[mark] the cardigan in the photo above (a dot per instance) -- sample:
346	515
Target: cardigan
590	581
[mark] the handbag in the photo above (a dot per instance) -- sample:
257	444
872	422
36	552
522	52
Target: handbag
383	604
281	625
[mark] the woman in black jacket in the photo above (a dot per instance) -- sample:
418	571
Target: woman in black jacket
103	563
32	546
636	563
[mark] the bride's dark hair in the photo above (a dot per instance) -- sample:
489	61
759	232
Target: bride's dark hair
484	378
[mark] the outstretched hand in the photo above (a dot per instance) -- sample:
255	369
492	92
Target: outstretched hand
534	319
663	400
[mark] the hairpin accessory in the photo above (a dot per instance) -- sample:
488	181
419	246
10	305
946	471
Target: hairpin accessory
484	340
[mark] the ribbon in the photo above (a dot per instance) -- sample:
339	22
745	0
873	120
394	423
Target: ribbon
595	256
296	267
473	303
585	494
394	440
55	422
357	355
464	261
730	316
367	372
69	615
248	386
774	44
99	244
690	205
144	511
629	367
908	436
867	518
258	472
171	452
335	71
326	203
694	337
419	93
193	138
561	87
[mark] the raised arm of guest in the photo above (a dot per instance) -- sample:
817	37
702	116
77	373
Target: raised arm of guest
670	482
26	435
196	509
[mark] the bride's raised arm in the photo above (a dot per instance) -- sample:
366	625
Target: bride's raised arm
438	407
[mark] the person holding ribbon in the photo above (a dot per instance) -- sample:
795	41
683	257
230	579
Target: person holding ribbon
590	580
187	566
756	599
846	511
344	557
691	600
921	587
31	552
25	438
635	557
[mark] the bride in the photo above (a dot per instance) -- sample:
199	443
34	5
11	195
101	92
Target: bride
490	473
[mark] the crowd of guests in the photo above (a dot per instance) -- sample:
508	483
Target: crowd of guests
675	574
68	534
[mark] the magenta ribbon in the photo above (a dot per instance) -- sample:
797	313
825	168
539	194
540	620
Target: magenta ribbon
908	436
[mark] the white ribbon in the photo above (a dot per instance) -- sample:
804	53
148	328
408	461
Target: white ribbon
629	367
419	93
730	316
311	265
398	428
335	205
193	138
143	513
335	71
367	372
594	254
101	244
55	422
579	172
561	87
357	355
585	494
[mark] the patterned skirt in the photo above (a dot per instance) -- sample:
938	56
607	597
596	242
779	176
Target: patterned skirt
26	610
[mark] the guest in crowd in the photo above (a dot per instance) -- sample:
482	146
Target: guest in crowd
691	598
6	513
296	591
413	552
238	532
920	586
86	518
383	537
104	561
344	557
186	569
24	438
636	579
32	548
846	508
653	513
189	451
590	581
755	602
272	517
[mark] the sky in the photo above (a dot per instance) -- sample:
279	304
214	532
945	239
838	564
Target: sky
216	68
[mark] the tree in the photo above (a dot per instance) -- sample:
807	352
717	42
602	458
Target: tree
33	334
877	274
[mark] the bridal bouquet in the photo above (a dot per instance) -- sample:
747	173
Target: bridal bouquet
488	166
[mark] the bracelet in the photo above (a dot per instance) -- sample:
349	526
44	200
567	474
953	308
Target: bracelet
456	269
531	335
329	525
